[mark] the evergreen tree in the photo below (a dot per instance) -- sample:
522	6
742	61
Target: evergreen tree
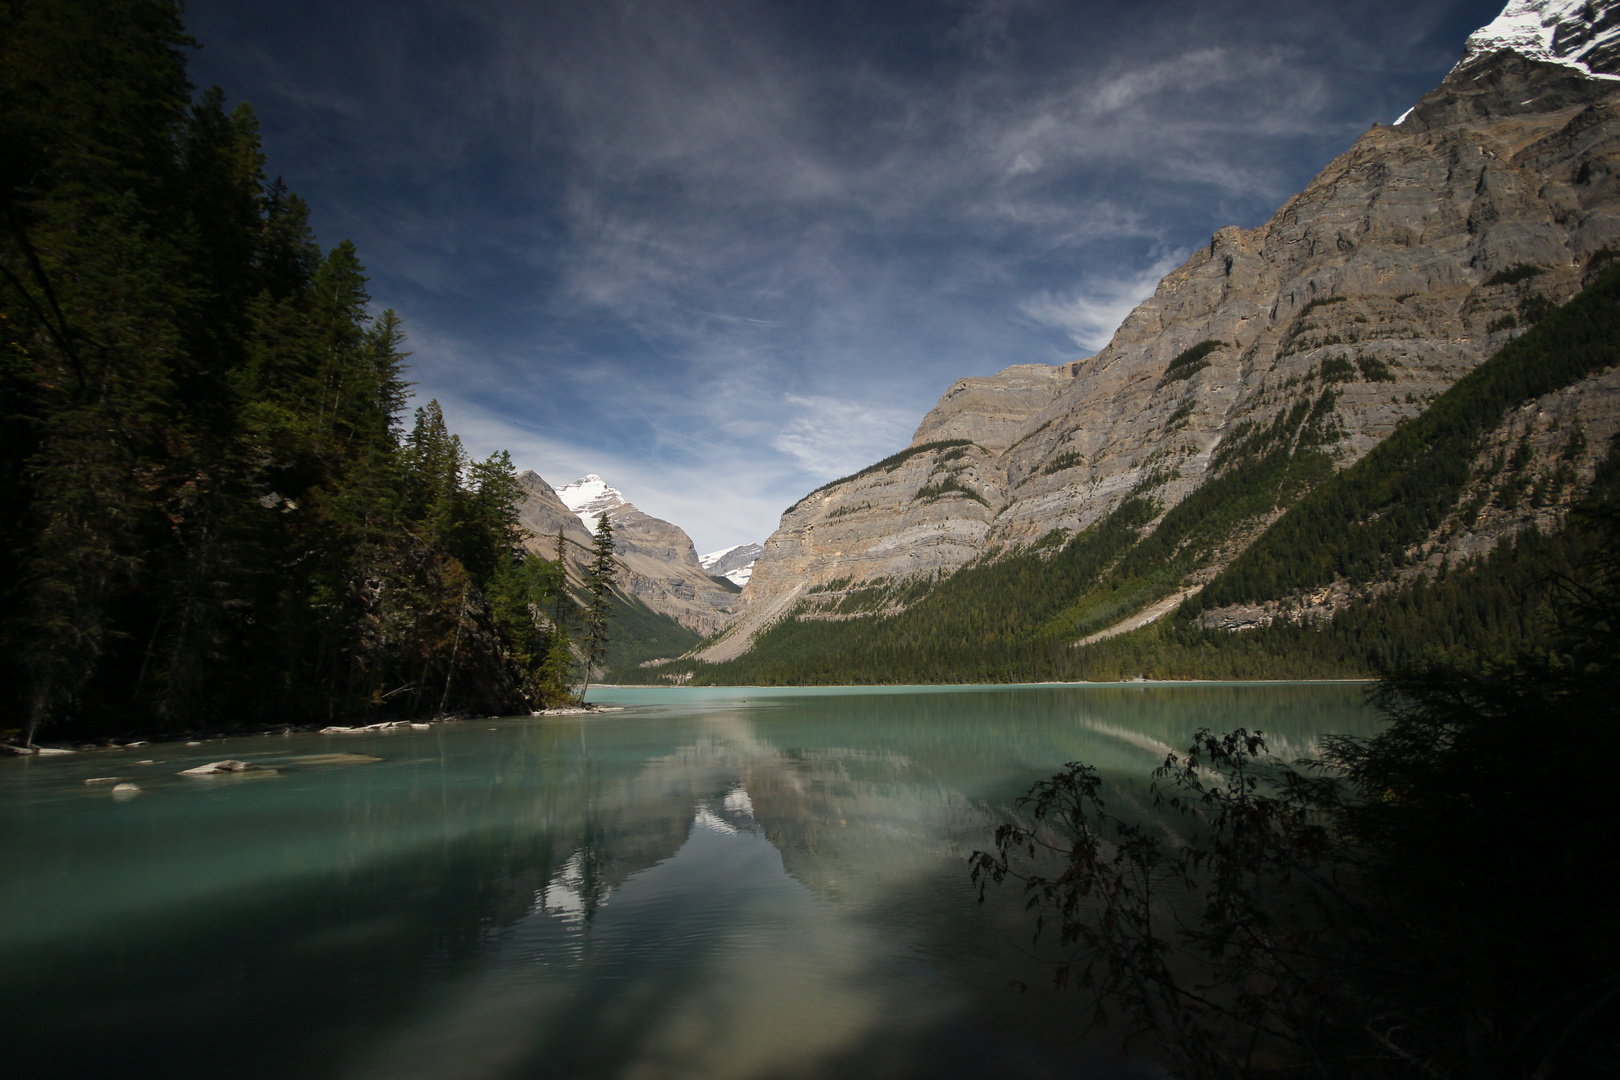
599	586
212	508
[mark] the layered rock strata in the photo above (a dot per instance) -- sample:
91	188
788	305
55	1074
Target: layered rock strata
1410	259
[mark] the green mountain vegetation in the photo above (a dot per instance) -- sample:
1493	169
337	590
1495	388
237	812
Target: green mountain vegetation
1370	520
888	464
1017	618
215	515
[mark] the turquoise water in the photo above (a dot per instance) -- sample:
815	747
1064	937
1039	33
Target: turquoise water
709	883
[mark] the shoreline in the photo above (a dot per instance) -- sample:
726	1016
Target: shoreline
982	686
64	747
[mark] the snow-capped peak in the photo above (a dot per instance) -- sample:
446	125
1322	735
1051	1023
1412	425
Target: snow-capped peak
708	561
1581	34
590	497
1564	32
735	563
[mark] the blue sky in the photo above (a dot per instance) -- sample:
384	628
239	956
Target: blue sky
722	252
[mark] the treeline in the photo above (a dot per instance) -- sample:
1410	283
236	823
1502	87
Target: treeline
214	513
1017	619
1490	606
1369	521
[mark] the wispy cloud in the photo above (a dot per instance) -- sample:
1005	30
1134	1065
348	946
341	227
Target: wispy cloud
832	437
720	251
1090	314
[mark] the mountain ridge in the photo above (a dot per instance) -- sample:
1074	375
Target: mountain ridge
1407	261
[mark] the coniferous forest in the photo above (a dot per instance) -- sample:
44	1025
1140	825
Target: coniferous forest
217	511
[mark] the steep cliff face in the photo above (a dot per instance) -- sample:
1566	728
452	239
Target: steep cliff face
1406	262
658	564
1525	468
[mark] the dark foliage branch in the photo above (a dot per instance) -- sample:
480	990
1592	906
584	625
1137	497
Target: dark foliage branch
1433	901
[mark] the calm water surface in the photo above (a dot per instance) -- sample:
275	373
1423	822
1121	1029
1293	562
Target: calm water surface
711	883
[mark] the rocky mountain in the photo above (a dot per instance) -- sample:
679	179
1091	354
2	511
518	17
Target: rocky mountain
735	563
1574	33
542	513
590	496
659	565
1416	254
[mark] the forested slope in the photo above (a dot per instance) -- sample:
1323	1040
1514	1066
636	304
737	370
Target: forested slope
214	514
1370	528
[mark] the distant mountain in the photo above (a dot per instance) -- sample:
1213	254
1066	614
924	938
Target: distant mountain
590	496
1093	497
659	565
735	563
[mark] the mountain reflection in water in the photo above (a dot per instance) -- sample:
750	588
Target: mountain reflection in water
727	883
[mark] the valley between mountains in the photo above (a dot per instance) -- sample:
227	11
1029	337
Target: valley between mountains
1322	445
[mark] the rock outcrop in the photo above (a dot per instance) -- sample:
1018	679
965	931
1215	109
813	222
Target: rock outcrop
994	411
1410	259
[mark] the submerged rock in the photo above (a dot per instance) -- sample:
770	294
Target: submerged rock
125	791
335	759
228	766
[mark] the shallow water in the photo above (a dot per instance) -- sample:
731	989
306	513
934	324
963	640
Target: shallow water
711	883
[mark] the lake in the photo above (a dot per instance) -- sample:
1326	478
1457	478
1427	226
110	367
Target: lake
715	883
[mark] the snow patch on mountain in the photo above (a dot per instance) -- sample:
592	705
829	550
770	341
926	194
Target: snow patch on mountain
1582	34
1564	32
590	497
708	561
735	563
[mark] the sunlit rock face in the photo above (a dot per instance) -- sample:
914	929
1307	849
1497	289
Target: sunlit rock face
542	513
661	569
994	411
1381	268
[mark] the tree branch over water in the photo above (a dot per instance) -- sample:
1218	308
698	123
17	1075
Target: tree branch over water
1416	903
